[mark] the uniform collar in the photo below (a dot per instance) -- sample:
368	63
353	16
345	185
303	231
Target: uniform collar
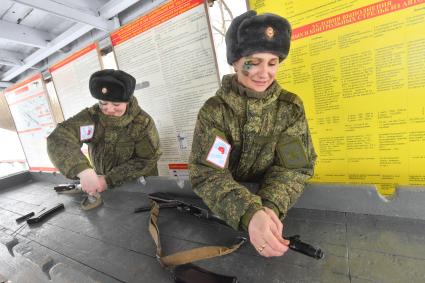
242	90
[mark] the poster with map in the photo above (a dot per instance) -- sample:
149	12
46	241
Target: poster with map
33	119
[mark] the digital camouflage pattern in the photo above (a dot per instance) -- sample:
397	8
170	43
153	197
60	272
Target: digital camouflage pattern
271	144
122	148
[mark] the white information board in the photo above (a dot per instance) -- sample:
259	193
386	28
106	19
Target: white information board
34	121
171	50
71	79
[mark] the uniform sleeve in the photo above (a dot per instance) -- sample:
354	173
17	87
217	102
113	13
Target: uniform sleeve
294	164
144	160
64	147
220	192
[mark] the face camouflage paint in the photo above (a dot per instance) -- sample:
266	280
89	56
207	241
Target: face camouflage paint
246	67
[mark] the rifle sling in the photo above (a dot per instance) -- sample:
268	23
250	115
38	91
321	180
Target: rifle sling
187	256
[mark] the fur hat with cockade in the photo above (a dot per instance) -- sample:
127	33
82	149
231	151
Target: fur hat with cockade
112	85
250	33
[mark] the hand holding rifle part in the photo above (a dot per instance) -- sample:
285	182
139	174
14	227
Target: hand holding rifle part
89	202
265	233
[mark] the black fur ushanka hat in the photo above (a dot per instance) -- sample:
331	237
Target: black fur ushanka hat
112	85
250	33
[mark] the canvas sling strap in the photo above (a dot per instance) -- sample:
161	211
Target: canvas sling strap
90	202
186	256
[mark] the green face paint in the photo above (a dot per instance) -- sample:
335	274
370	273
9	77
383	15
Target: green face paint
247	65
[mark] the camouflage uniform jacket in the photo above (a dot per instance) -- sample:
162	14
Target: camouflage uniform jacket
270	144
121	148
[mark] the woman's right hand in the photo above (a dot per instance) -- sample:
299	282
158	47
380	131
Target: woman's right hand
266	236
89	181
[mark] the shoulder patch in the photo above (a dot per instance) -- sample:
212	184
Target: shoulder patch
292	152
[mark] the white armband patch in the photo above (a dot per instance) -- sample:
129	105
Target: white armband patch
219	152
86	132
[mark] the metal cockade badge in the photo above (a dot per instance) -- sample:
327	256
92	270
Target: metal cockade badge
270	32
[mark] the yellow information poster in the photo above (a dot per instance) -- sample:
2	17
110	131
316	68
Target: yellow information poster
359	67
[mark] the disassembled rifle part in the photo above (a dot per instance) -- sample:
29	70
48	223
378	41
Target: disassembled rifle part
24	217
46	214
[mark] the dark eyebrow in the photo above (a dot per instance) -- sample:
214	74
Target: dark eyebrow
259	60
255	59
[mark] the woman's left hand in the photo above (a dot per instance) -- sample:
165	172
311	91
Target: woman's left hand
103	184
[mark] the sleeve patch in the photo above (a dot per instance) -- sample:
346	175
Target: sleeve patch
86	132
219	153
292	153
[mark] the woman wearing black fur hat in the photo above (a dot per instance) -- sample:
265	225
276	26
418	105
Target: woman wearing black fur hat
252	130
122	138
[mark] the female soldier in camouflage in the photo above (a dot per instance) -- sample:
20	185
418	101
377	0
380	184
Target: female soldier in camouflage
122	139
252	130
